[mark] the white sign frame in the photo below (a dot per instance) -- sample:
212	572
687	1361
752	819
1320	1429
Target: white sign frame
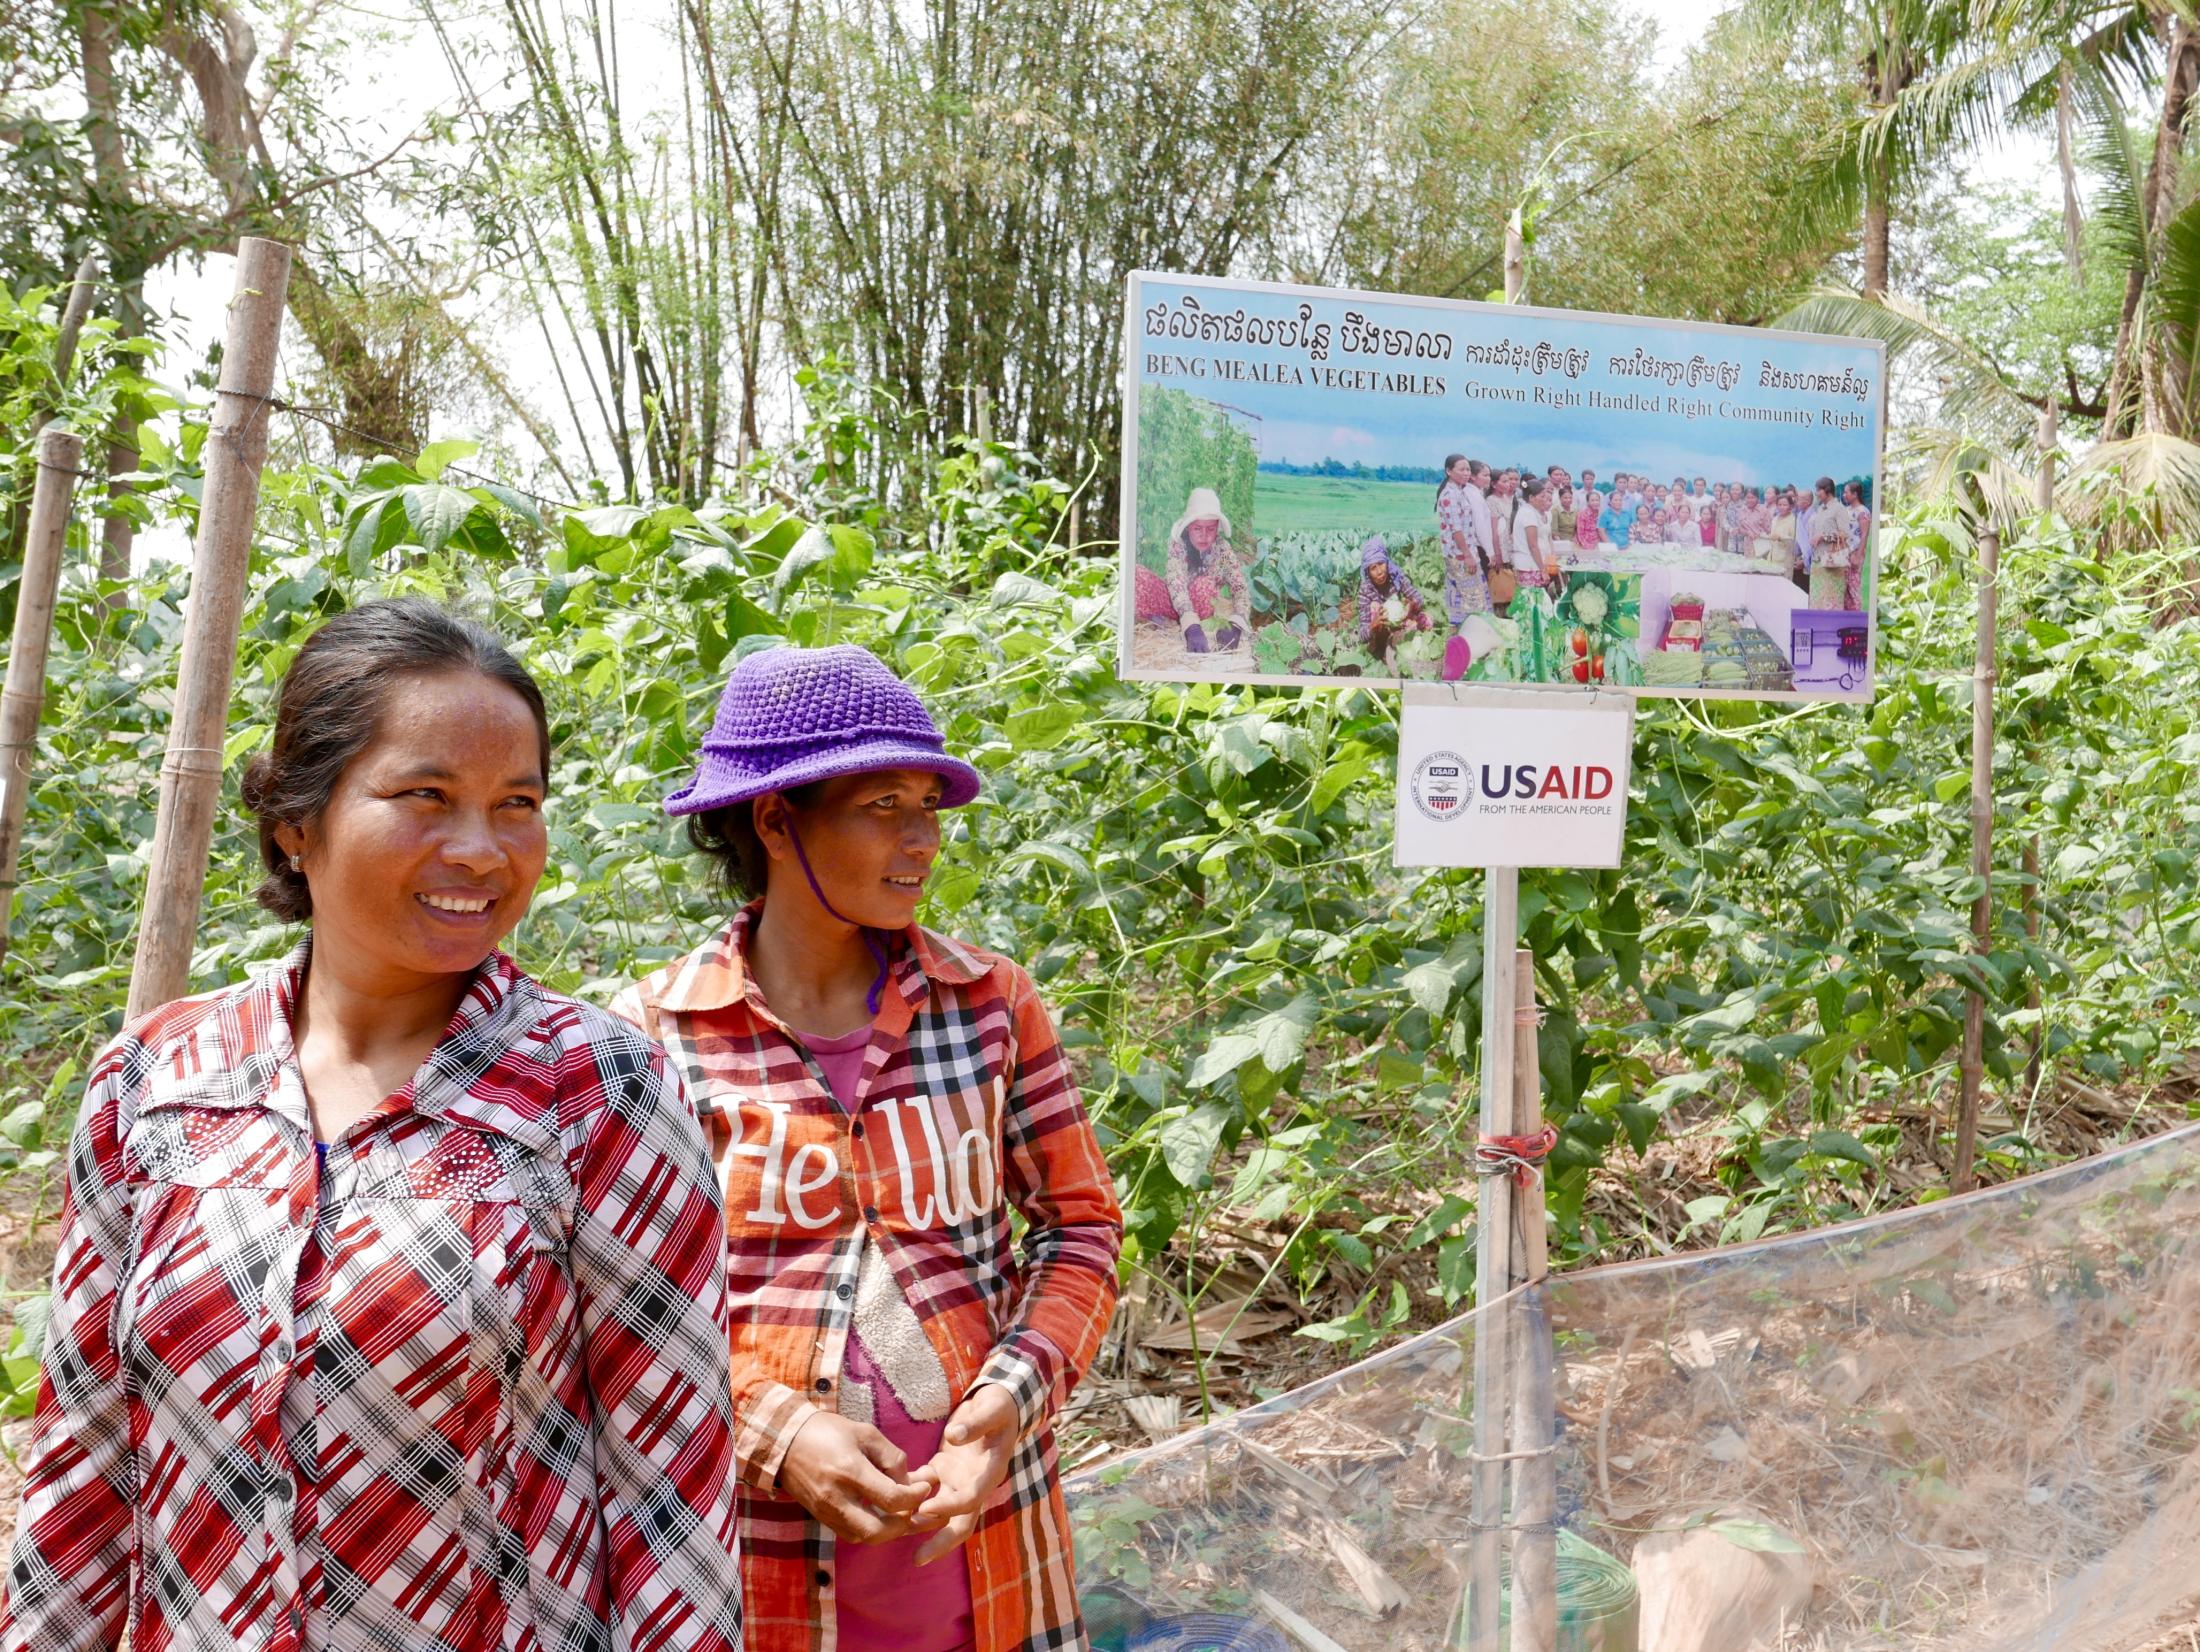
1573	745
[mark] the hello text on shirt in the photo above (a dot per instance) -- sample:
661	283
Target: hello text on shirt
944	1151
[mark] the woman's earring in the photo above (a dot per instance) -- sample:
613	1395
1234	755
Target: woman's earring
297	863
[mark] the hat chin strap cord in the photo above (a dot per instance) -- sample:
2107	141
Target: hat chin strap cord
870	935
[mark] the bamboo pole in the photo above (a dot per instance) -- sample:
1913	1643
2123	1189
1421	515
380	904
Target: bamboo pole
1982	855
1492	1264
191	772
1493	1216
1534	1468
60	458
2036	1045
74	314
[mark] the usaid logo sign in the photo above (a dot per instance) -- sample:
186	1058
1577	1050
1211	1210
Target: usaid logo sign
1552	782
1443	785
1510	778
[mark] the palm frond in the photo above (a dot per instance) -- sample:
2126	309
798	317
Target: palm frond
2176	286
1962	104
2110	152
2142	490
2124	50
1976	484
1969	382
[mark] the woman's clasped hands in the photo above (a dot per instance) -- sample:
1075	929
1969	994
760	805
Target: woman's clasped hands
861	1485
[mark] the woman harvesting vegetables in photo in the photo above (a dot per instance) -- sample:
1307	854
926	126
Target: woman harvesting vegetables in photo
882	1100
389	1301
1390	604
1199	547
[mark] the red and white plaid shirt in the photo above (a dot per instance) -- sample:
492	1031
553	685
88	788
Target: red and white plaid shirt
966	1111
461	1390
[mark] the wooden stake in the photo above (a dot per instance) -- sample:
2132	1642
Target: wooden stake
1534	1430
191	772
73	316
1516	261
1492	1263
60	457
1982	855
2043	492
2036	1045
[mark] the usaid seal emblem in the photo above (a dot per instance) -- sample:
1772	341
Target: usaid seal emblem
1442	786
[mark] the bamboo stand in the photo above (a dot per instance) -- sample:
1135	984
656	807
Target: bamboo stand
1492	1263
1534	1468
191	772
60	458
1982	858
1511	1249
1513	1355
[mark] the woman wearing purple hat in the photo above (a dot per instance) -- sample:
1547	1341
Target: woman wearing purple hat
880	1099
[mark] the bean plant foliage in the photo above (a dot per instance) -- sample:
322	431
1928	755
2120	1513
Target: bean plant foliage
1270	1020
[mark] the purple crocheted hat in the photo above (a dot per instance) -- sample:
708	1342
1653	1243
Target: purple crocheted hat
793	715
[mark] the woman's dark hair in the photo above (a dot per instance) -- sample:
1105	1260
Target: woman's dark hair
331	702
727	839
1534	487
1449	461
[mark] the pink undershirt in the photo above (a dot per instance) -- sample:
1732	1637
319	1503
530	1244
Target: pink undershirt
886	1601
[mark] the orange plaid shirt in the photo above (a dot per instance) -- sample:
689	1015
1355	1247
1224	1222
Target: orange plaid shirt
966	1110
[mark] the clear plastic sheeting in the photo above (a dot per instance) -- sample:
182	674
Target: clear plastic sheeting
1975	1424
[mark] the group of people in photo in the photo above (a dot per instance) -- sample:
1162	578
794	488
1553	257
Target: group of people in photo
1505	530
1820	528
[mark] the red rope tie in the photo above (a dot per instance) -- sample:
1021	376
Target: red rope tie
1520	1157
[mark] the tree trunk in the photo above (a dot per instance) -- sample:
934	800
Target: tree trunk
2116	420
2133	392
1876	224
118	530
2159	407
1884	78
97	37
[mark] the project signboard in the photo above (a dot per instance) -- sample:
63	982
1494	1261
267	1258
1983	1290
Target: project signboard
1332	486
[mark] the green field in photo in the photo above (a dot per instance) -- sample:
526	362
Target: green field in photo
1331	504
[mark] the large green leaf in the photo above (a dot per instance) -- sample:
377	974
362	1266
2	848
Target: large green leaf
437	457
436	512
1188	1144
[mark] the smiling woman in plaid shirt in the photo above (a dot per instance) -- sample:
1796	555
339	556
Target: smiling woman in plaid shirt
390	1303
881	1100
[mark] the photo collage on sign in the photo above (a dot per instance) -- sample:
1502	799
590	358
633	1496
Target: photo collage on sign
1349	486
